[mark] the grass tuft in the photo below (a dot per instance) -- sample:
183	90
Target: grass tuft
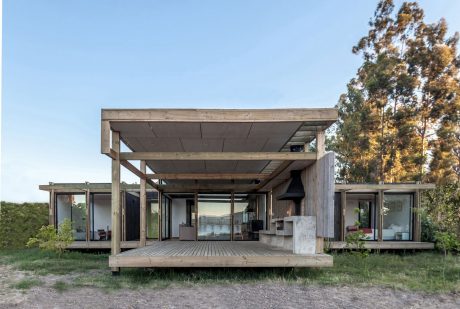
27	283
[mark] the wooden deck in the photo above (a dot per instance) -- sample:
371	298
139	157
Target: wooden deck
388	245
215	254
105	244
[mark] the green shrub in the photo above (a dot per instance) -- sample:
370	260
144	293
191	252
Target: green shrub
447	242
441	216
48	239
19	222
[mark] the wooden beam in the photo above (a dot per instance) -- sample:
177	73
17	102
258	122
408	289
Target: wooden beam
51	219
196	215
283	166
207	188
105	137
417	217
343	210
221	156
320	144
386	186
116	205
328	115
160	215
232	214
143	207
138	173
88	215
380	215
207	176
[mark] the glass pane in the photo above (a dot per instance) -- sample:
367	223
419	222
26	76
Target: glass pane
214	216
73	207
101	216
397	217
152	217
361	214
246	226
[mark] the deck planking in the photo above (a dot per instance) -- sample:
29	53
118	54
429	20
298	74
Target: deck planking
215	254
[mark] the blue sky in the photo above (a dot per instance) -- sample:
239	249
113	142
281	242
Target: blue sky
65	60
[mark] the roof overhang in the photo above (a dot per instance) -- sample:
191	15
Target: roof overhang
225	147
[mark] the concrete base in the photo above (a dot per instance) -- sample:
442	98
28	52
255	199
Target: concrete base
298	234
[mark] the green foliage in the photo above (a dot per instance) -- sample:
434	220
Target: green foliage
19	222
447	242
403	104
441	216
48	239
355	241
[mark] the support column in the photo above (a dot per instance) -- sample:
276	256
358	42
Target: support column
160	228
52	220
196	216
320	152
232	211
343	210
417	217
143	210
116	205
269	207
320	144
380	215
88	215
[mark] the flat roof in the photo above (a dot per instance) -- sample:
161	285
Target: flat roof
218	130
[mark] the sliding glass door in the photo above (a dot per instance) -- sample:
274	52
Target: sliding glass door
214	216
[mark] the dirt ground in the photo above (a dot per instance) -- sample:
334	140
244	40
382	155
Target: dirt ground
263	295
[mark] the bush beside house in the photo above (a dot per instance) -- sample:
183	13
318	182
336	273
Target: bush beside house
19	222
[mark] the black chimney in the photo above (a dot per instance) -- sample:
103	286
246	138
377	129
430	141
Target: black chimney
295	191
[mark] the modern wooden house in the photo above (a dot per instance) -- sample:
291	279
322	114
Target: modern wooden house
224	188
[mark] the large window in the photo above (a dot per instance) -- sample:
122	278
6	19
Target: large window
397	216
214	211
73	207
101	216
249	216
361	213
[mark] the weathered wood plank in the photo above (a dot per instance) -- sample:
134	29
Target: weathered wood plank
220	156
328	115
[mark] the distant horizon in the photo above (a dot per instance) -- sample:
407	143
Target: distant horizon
63	62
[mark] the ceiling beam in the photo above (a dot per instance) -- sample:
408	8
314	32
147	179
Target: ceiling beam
189	188
222	115
224	156
208	176
275	174
138	173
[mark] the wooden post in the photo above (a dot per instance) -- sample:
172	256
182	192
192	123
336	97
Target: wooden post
143	206
160	215
123	215
232	211
196	216
116	205
320	152
417	217
269	208
380	215
52	220
320	144
88	215
343	210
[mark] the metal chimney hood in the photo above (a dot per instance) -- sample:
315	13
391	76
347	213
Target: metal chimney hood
295	190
